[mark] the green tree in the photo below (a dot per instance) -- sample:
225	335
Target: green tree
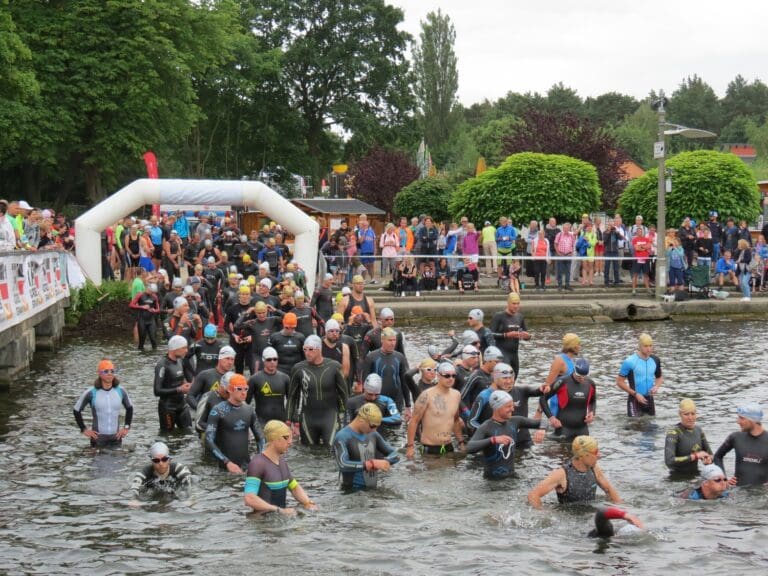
18	85
702	180
116	80
529	186
437	77
610	109
637	133
341	58
694	104
743	99
489	138
426	196
757	136
564	100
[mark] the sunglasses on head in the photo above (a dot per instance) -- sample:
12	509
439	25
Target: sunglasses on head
163	459
110	371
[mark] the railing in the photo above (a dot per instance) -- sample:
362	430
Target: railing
30	282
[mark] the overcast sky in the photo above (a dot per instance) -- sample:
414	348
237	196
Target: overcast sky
598	46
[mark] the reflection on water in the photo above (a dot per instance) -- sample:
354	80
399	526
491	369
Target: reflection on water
65	508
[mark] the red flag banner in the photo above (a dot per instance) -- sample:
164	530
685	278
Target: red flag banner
150	160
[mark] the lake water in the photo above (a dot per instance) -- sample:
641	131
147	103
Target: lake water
65	508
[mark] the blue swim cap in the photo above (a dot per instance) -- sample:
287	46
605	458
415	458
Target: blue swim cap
210	331
751	411
581	366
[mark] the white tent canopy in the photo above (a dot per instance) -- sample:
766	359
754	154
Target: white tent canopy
246	193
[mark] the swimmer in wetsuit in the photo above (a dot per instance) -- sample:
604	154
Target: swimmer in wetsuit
714	485
578	480
268	389
226	433
603	525
268	477
162	477
686	445
361	452
640	377
372	393
497	436
105	397
170	386
576	400
317	395
750	446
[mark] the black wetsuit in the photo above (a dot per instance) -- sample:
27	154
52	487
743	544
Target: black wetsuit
486	338
204	382
355	333
171	407
501	323
520	395
317	398
148	482
322	302
390	415
204	406
499	459
680	444
351	303
477	381
289	349
354	358
581	486
392	368
575	401
202	356
372	341
243	352
268	392
751	457
226	433
146	319
259	331
304	320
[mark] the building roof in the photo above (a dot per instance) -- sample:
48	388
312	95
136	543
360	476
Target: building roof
631	170
338	206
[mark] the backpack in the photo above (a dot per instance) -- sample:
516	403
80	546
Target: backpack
582	245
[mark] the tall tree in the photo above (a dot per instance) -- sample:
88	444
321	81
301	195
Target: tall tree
637	133
341	58
116	79
564	100
610	109
437	77
18	85
694	104
573	136
745	99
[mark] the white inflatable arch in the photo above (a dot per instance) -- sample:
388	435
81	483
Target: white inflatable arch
252	194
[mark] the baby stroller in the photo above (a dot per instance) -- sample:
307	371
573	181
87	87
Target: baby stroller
698	282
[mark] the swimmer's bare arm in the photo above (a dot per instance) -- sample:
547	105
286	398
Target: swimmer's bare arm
458	428
418	413
607	487
555	481
621	382
258	504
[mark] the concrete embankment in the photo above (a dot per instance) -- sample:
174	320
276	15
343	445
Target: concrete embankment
581	305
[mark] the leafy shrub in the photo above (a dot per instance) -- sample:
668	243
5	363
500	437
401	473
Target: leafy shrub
703	180
90	296
529	186
428	196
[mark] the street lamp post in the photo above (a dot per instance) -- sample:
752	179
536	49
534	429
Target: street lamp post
659	153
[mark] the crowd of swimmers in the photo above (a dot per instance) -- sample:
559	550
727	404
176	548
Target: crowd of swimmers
338	377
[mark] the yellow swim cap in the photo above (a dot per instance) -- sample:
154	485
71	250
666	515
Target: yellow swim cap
338	317
427	363
357	279
570	341
513	297
370	413
274	429
645	340
687	405
244	290
583	445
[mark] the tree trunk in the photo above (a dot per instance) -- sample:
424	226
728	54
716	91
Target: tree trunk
314	136
94	187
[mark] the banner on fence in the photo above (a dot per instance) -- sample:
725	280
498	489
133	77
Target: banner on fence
30	283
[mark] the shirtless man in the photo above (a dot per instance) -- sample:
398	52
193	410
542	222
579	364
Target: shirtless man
437	410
